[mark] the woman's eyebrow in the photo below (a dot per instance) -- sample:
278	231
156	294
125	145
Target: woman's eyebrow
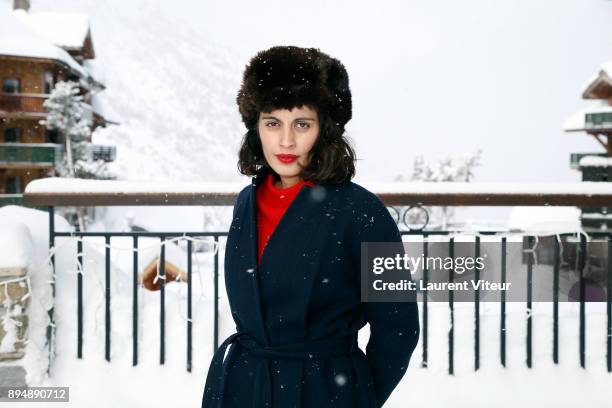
272	117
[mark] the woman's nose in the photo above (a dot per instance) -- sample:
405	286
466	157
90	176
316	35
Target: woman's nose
287	138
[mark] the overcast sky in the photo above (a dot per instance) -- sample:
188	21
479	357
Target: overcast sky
433	77
445	76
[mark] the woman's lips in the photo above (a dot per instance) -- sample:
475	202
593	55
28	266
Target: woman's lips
286	158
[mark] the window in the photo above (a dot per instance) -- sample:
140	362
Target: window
10	85
12	135
51	136
48	82
12	185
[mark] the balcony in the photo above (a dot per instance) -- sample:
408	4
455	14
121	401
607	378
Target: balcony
400	199
30	155
20	105
575	158
28	105
598	121
10	199
102	152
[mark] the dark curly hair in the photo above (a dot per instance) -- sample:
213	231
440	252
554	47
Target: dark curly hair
332	158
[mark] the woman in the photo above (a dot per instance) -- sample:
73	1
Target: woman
293	251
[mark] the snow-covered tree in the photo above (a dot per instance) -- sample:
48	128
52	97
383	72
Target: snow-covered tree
68	114
450	168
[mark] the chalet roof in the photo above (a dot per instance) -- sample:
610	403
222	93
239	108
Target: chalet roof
577	121
67	30
17	38
602	79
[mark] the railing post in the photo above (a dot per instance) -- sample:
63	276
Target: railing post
216	285
189	300
425	304
451	305
502	326
51	325
609	307
529	294
581	264
557	261
107	299
135	301
477	310
80	297
162	302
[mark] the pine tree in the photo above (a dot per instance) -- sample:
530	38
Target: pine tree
70	116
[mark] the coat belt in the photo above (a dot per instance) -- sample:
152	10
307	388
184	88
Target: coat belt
215	381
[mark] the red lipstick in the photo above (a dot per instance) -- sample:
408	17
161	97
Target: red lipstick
286	158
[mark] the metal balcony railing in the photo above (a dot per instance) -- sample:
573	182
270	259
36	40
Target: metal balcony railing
103	152
598	120
30	154
400	198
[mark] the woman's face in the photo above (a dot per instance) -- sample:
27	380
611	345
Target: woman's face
287	136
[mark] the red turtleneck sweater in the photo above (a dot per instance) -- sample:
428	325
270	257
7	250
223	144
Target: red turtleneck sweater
272	202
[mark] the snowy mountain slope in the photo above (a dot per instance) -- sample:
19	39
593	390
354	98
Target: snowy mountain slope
171	88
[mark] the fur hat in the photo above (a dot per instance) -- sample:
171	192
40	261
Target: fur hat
288	76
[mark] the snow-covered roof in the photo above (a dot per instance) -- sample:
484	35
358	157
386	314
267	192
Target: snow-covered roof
604	74
595	161
63	29
17	38
577	121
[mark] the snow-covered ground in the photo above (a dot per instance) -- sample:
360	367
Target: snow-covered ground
95	382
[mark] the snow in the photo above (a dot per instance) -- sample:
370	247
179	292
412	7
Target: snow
546	385
170	85
29	228
16	245
84	186
10	330
595	161
17	38
179	122
63	29
577	121
544	220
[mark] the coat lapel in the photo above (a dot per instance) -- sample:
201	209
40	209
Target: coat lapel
252	217
301	209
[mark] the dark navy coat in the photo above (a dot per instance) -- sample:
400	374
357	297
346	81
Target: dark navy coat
297	314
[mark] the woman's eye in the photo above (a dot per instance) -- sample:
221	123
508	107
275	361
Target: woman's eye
270	123
303	125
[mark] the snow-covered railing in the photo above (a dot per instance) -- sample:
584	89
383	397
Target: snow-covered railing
56	191
53	192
